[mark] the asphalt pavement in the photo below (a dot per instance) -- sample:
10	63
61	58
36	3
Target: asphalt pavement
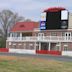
43	56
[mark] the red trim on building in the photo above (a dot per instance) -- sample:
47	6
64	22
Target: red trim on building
54	9
4	50
48	52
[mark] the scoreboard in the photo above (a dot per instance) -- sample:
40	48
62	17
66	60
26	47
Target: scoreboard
54	20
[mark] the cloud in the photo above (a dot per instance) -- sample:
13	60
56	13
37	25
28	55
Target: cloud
32	8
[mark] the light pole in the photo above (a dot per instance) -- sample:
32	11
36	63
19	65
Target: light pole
58	1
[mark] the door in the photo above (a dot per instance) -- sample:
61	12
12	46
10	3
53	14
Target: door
44	46
67	35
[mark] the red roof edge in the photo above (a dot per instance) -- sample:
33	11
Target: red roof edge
54	9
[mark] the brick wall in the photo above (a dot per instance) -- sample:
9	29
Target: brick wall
20	45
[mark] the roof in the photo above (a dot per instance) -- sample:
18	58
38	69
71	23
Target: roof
54	9
24	26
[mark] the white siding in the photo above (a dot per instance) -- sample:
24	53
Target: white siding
24	51
70	21
66	53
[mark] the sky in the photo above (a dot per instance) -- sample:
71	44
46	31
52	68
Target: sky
32	9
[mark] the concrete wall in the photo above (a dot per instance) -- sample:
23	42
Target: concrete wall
24	51
66	53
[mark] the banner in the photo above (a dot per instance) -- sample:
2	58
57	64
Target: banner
42	25
43	16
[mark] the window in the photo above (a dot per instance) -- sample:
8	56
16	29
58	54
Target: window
53	34
65	47
24	45
13	34
9	43
14	45
31	47
31	44
18	34
8	35
63	33
20	44
57	47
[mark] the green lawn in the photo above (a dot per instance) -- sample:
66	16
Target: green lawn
29	64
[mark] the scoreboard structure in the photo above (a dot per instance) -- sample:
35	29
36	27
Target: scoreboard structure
54	18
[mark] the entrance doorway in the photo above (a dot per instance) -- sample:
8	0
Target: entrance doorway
44	46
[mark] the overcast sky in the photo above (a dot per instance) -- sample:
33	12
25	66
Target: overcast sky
32	8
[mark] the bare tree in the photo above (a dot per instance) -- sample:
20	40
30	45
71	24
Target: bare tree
27	20
7	20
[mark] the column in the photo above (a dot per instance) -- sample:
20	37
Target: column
20	36
39	45
60	46
35	46
49	46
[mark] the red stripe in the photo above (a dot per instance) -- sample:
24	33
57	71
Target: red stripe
4	50
54	9
48	52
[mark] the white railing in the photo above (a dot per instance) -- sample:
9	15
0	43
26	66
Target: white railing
42	39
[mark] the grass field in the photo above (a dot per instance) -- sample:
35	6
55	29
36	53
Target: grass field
29	64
